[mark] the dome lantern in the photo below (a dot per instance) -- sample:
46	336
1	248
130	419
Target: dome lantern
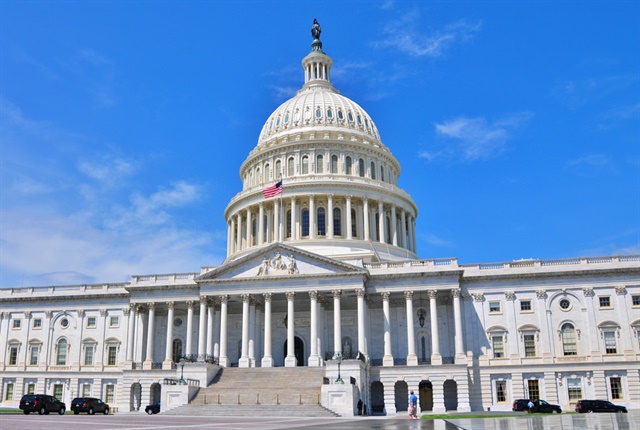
317	65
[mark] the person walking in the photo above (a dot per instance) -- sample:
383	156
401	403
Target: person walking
413	406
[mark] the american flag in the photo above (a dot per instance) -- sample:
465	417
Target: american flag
273	190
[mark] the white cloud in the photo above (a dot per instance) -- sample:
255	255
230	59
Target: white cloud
592	163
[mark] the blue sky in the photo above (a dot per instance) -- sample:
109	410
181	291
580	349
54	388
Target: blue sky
123	124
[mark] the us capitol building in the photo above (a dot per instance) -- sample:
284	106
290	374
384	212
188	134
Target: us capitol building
323	286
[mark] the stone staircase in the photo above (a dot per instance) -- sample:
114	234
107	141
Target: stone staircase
275	391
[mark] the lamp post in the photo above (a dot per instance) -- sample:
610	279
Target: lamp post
182	381
339	360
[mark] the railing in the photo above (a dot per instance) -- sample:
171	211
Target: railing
163	278
553	263
156	366
136	366
200	358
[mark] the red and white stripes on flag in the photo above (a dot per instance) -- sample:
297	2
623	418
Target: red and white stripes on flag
273	190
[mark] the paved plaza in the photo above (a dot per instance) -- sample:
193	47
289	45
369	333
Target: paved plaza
630	421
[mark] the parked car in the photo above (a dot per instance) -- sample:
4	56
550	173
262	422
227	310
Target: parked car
42	404
598	406
540	406
90	405
521	405
153	408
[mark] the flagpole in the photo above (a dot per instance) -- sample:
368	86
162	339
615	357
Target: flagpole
282	220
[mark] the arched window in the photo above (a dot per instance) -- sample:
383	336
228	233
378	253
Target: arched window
278	170
377	227
305	222
569	343
254	232
388	238
373	170
305	165
322	222
319	164
334	164
347	163
290	167
382	173
354	230
361	168
61	356
257	178
288	224
267	173
337	222
177	350
265	221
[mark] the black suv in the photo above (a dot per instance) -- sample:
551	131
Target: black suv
153	408
598	406
90	405
538	406
42	404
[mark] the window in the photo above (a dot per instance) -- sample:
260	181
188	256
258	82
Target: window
16	324
35	352
57	390
86	390
61	357
497	344
361	168
9	391
322	222
109	393
288	223
565	304
373	170
177	322
569	344
13	355
501	391
334	164
114	321
635	300
610	342
494	307
290	167
605	302
305	222
529	345
177	350
574	389
615	383
305	165
340	115
348	168
337	222
319	164
525	305
91	322
278	171
112	356
31	388
354	224
64	323
533	389
88	355
37	323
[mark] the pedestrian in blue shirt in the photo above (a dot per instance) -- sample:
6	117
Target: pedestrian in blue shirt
413	406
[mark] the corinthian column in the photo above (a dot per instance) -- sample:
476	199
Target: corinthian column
457	318
436	358
131	331
150	336
202	329
314	359
290	359
387	360
365	213
361	326
190	305
223	360
267	359
244	358
168	351
412	358
337	327
349	220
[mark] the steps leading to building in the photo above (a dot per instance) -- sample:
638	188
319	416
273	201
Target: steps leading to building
252	410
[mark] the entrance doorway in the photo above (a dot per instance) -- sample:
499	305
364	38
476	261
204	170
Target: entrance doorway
298	350
450	395
426	396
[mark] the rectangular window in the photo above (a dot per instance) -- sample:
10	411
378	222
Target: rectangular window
615	383
13	356
574	389
494	307
35	352
635	300
534	389
91	322
86	390
31	388
37	323
498	346
114	321
88	355
529	345
501	391
610	342
525	305
605	302
109	393
112	356
9	394
57	390
16	324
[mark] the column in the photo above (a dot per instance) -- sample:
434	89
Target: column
232	237
436	358
387	360
260	223
168	350
229	252
277	229
381	223
290	359
365	213
189	349
267	359
337	327
314	359
239	233
457	320
244	358
403	229
294	229
150	335
210	329
131	331
361	326
269	233
140	345
249	228
252	332
330	216
202	329
412	234
412	358
394	227
313	225
348	218
223	360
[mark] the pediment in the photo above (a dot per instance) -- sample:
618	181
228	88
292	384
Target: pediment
279	260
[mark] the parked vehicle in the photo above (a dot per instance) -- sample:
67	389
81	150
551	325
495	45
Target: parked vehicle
598	406
520	405
540	406
42	404
153	408
90	405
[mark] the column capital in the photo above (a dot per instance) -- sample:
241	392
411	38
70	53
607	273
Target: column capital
47	314
408	295
191	304
224	299
385	295
103	312
541	294
312	197
432	294
365	199
290	295
151	306
477	297
203	300
330	197
360	292
313	295
620	290
336	293
456	293
171	304
587	291
126	311
510	295
267	296
27	314
348	197
245	297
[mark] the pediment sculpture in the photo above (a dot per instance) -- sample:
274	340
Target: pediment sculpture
278	265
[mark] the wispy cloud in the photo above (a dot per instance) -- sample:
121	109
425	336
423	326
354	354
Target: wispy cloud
576	93
410	35
472	139
592	164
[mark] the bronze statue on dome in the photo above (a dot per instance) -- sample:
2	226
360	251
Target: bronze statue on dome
316	30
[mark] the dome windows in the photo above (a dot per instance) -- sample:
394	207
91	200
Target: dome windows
350	117
319	164
329	113
307	115
318	112
340	115
286	118
278	122
296	116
